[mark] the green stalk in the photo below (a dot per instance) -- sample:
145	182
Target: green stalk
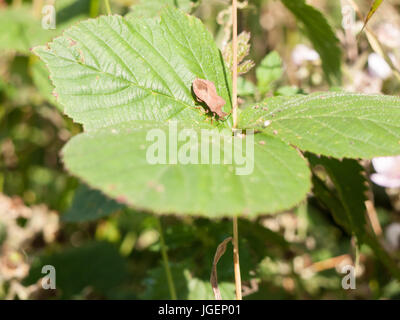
357	254
167	269
94	8
108	8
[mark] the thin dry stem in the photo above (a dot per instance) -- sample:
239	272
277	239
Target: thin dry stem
238	280
374	42
330	263
37	7
235	63
373	218
214	274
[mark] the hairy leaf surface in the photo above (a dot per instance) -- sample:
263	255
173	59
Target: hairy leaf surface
114	160
112	70
332	124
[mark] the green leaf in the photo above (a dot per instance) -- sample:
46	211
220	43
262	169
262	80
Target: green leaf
20	30
288	91
114	160
321	36
71	11
245	87
331	201
89	204
153	8
348	177
97	265
112	70
155	282
331	124
40	77
119	102
372	11
383	256
188	287
200	289
269	71
347	205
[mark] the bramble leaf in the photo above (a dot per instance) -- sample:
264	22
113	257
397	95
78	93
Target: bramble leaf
188	286
111	70
269	71
24	30
331	124
89	204
351	185
115	160
121	78
153	8
321	36
347	205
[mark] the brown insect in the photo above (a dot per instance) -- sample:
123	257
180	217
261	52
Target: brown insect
206	92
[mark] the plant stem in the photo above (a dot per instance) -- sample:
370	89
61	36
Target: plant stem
94	8
374	42
235	63
238	281
167	269
37	6
357	254
373	217
108	8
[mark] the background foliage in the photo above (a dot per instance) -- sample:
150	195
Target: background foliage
49	217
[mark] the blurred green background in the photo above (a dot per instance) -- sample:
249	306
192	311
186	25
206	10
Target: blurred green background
103	250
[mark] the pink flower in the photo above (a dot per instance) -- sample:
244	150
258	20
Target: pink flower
302	53
378	67
387	172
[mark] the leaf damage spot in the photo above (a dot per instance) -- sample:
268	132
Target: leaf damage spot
81	56
122	199
72	42
156	186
